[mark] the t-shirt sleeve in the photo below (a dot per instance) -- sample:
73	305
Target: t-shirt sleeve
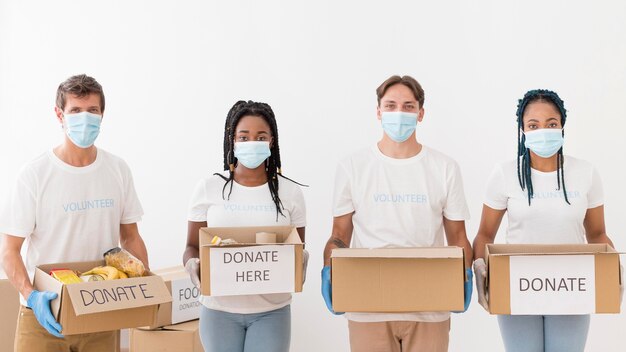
456	207
199	204
595	197
298	208
342	197
132	211
495	195
17	216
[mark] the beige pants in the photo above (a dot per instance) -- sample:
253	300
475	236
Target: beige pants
399	336
32	337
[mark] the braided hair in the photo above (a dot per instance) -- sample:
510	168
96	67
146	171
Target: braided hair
523	154
272	163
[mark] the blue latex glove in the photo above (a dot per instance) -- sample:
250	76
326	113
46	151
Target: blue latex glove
468	288
39	302
327	290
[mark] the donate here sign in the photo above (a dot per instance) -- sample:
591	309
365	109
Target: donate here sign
252	270
552	284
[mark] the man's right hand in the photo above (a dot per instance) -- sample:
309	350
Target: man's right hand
480	272
327	290
193	268
39	302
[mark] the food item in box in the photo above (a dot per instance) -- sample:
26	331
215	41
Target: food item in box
66	276
218	241
90	277
106	272
100	273
124	261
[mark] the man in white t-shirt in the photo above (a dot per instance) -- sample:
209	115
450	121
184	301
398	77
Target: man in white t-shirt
72	203
398	193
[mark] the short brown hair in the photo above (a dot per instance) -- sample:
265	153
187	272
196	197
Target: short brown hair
408	81
80	86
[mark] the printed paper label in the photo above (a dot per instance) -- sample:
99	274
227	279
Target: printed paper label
252	270
552	284
185	301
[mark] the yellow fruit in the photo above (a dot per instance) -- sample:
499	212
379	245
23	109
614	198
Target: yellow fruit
107	272
122	275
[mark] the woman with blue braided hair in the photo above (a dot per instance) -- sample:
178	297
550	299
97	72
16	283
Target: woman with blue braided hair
549	198
250	192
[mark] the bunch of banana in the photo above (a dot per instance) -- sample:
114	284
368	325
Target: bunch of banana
100	273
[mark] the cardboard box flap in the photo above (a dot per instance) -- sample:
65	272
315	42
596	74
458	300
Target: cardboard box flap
41	283
548	249
416	252
78	266
187	326
172	274
247	235
110	295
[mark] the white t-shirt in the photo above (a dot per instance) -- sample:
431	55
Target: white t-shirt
549	219
399	203
69	213
246	206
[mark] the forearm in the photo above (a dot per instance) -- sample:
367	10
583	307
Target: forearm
190	252
467	249
136	246
479	245
600	238
333	242
16	273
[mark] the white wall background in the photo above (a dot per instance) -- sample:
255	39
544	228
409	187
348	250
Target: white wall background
172	69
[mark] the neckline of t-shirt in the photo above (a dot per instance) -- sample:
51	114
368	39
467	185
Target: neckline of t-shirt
548	173
75	169
249	187
396	161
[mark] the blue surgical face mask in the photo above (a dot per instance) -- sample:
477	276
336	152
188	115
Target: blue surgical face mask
82	128
399	125
544	142
252	154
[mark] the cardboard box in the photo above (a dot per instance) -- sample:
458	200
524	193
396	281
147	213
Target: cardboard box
102	305
185	304
398	279
247	267
175	338
553	279
9	306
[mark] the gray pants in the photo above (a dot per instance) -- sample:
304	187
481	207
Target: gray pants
259	332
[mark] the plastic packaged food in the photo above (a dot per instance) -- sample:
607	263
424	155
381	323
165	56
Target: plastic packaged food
218	241
66	276
124	261
92	277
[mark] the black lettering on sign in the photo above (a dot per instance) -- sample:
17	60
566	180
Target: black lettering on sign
101	295
189	305
113	294
251	257
121	292
131	288
89	300
552	284
252	275
110	295
143	289
188	293
524	284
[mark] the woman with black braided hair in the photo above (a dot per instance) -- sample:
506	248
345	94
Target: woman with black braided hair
549	198
251	192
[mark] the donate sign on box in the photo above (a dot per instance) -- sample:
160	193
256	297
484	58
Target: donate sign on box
250	270
553	284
